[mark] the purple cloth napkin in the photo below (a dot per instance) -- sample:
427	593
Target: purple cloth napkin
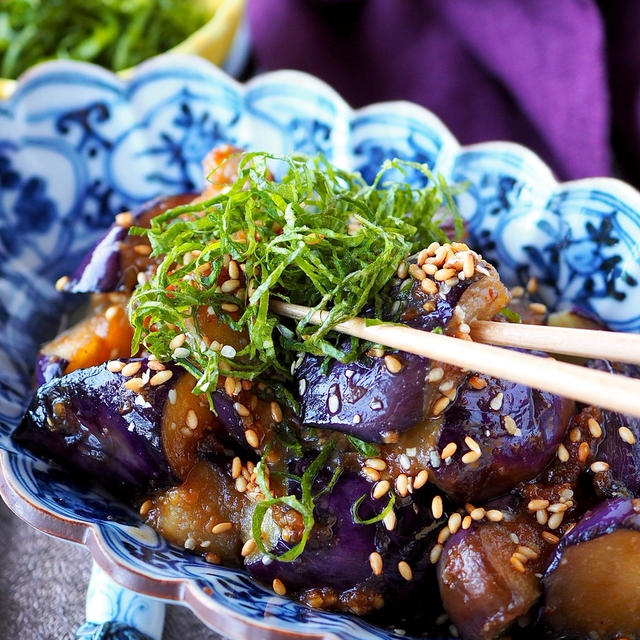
561	77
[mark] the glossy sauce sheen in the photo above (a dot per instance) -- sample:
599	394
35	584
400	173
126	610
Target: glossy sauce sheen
595	591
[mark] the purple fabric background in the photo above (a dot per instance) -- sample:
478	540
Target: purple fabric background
560	76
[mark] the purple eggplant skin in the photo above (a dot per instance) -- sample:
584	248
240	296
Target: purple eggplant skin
592	583
229	418
109	267
608	516
623	458
540	417
87	421
372	402
337	552
48	367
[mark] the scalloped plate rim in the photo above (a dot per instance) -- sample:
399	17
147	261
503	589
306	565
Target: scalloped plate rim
88	534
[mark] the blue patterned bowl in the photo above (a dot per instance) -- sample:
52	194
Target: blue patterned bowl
78	145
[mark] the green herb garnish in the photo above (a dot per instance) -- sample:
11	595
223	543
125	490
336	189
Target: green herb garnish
303	505
377	518
511	315
320	236
365	448
113	33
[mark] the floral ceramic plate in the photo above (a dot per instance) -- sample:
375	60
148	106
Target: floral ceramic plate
78	145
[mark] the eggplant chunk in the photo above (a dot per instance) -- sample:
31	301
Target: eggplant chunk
592	586
482	588
115	261
203	514
621	433
104	334
376	398
338	552
364	399
516	428
88	421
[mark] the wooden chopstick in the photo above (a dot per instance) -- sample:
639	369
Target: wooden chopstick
589	343
606	390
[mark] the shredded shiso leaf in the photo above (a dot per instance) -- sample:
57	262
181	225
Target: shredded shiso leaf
320	237
113	33
304	505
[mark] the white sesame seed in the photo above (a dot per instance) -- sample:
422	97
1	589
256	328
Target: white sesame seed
435	554
405	463
557	507
181	352
221	527
436	374
627	435
448	450
134	384
228	351
555	520
509	425
375	561
538	307
496	401
599	467
278	587
161	377
276	411
470	457
192	419
252	438
402	485
392	364
241	410
562	453
455	520
248	547
115	366
376	463
421	479
131	368
173	396
537	504
229	286
334	403
371	474
376	405
477	514
357	419
302	386
381	489
437	508
472	444
494	515
440	405
594	428
390	520
405	570
190	544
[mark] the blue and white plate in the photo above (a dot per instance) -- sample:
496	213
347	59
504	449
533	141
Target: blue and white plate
78	145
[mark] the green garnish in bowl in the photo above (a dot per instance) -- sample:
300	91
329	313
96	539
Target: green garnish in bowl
320	236
116	34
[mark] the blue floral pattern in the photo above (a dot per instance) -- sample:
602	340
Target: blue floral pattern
78	145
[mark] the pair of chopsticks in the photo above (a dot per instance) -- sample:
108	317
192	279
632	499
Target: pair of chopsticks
598	388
